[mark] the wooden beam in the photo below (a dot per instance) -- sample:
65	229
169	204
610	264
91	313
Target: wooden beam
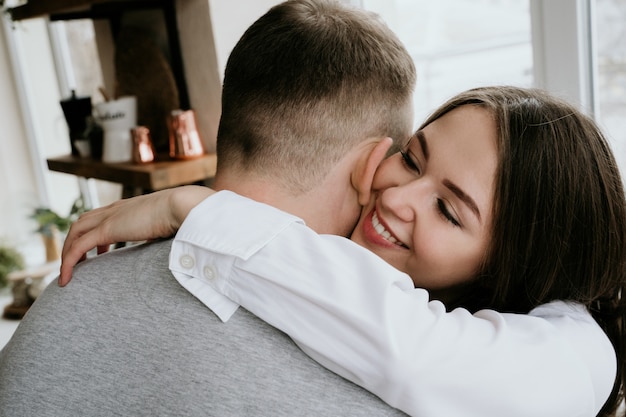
41	8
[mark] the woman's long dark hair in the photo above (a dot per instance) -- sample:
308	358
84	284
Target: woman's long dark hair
559	230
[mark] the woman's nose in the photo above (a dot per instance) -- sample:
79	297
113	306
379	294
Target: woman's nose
405	200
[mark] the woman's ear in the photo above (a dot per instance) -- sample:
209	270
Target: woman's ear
363	175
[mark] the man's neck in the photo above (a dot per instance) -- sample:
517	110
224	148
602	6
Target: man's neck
317	207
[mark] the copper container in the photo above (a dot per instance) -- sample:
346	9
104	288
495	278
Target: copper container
185	141
143	150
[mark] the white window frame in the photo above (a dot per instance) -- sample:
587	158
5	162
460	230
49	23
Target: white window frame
25	99
564	54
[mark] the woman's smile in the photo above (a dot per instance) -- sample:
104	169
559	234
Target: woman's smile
378	233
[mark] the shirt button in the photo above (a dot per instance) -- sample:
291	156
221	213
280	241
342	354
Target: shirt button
209	273
186	261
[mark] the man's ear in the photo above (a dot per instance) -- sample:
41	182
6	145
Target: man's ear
363	175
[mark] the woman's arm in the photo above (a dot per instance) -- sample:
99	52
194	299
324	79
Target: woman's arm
150	216
361	318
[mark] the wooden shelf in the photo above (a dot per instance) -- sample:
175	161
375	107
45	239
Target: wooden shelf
39	8
69	9
148	177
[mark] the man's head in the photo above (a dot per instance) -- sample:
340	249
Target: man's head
306	83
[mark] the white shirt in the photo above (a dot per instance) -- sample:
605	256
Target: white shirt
363	319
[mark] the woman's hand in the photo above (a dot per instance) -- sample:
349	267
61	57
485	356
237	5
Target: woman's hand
150	216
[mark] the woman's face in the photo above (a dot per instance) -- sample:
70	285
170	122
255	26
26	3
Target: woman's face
431	212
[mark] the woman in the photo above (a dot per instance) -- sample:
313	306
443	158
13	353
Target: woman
534	225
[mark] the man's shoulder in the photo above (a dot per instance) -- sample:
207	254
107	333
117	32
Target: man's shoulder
125	337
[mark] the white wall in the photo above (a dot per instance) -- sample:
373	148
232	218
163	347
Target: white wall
231	19
18	183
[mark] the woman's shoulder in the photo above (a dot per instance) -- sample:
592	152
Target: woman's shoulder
579	329
563	309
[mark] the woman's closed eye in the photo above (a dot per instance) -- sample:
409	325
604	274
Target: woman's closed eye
409	162
445	212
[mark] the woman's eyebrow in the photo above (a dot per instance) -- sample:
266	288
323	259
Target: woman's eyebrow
421	138
465	198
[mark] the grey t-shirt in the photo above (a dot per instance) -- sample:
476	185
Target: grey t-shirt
124	338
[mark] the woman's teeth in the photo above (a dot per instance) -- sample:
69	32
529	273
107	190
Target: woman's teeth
380	229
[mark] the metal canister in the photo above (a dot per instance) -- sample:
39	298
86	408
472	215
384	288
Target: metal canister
185	141
143	150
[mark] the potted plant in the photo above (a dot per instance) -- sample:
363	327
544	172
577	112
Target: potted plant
10	260
50	224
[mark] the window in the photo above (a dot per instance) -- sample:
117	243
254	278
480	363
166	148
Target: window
78	61
578	51
459	44
611	59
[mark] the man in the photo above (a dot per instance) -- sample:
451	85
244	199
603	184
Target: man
312	92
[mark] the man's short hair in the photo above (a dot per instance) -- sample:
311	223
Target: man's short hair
306	82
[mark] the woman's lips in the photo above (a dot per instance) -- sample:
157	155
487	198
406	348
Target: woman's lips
376	232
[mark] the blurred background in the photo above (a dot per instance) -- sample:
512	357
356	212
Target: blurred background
574	48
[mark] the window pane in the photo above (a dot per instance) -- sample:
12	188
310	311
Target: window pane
84	66
611	55
460	44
